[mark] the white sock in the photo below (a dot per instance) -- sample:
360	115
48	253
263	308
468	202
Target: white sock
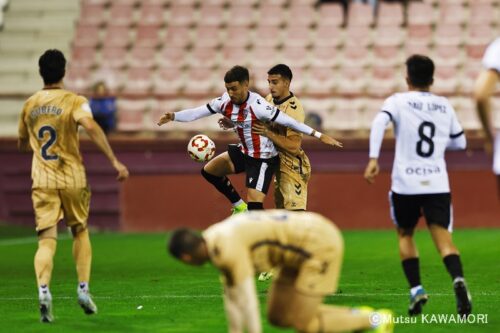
237	203
83	287
413	291
43	291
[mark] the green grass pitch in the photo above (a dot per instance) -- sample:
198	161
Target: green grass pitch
132	270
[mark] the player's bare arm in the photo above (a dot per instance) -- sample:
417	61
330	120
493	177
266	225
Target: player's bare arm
289	143
97	135
483	90
23	144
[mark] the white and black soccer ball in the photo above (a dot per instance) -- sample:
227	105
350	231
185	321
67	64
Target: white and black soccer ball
201	148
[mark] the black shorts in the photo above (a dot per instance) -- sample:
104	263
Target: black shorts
406	209
259	171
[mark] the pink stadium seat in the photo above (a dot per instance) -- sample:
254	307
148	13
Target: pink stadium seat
471	71
294	56
235	55
207	36
180	15
86	36
447	55
113	57
360	14
383	81
204	78
138	82
301	14
147	36
390	14
178	36
355	55
445	80
203	57
78	78
420	34
296	35
169	80
142	57
347	115
263	56
389	35
237	36
211	15
351	80
448	34
475	51
171	56
479	34
324	56
92	14
328	35
130	114
267	35
420	13
117	36
389	55
270	15
415	48
94	2
320	80
152	14
359	35
121	15
482	13
83	57
452	14
330	14
241	14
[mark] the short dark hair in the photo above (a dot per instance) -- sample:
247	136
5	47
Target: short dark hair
283	70
237	74
183	240
420	70
52	66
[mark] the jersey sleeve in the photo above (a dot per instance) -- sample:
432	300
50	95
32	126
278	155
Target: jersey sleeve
216	105
81	109
491	58
264	111
390	107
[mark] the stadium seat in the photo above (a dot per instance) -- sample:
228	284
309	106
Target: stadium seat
130	114
420	13
152	15
117	36
447	55
471	70
320	80
328	36
420	34
121	14
452	14
301	14
360	14
139	81
388	55
446	80
467	116
390	14
78	78
294	56
180	15
142	57
169	81
358	35
330	14
204	79
263	56
389	35
480	34
351	80
267	35
211	14
113	57
202	56
482	13
207	36
172	56
235	55
241	14
147	36
83	56
356	55
269	14
449	34
236	36
346	116
94	2
92	14
86	36
411	48
177	36
324	56
383	81
296	35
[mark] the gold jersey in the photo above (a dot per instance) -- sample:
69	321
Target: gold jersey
298	163
50	121
257	241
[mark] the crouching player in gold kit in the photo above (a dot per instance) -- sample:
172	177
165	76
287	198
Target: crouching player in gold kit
48	126
305	249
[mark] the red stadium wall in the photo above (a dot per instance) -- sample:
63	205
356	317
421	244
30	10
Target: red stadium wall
165	189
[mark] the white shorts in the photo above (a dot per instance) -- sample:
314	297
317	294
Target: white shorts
496	154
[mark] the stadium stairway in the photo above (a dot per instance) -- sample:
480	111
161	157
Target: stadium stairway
29	28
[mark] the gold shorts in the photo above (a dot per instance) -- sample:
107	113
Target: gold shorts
319	275
51	206
290	190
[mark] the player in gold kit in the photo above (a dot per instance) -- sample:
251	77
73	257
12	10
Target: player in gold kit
48	127
305	249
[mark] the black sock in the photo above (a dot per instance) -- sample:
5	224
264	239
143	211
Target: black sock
453	265
255	205
411	267
223	185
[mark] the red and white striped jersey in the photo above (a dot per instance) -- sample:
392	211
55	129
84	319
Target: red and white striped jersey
243	117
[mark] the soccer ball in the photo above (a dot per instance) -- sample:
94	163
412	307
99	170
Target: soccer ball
201	148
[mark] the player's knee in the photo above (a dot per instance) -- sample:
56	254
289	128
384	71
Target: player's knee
406	232
49	233
78	229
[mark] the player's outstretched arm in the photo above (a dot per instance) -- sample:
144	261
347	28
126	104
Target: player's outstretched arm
99	138
484	88
185	115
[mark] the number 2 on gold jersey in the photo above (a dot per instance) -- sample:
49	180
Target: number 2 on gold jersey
52	139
